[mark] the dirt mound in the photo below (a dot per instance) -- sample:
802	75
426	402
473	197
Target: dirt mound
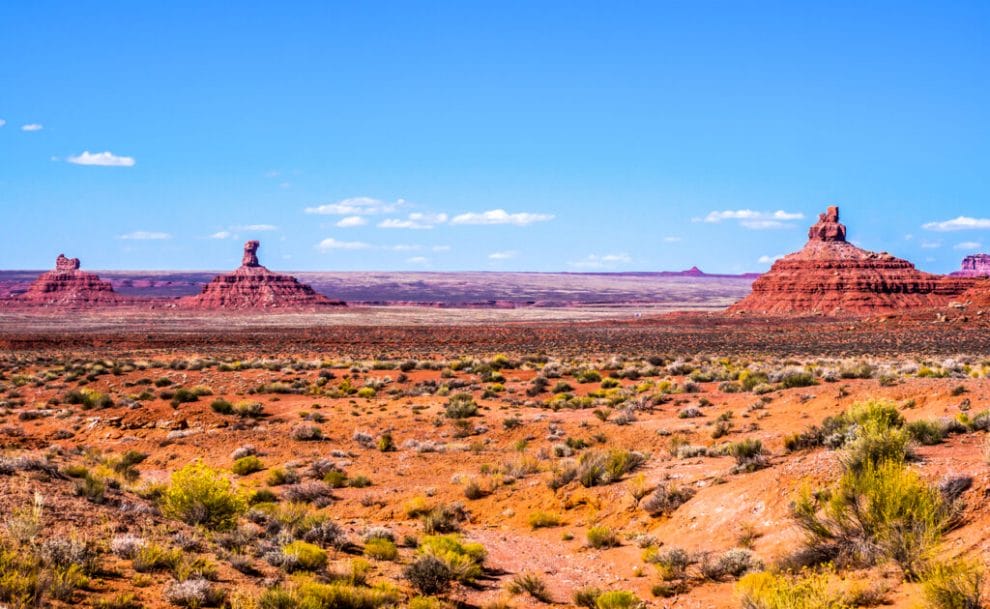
253	286
832	276
67	286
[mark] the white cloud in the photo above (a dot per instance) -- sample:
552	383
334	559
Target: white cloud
330	244
101	159
756	220
415	220
356	206
500	216
402	247
145	235
968	246
506	255
764	259
960	223
2	122
255	227
351	222
594	261
418	260
221	235
32	127
931	245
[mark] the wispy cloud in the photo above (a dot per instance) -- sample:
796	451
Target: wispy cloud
330	244
595	261
144	235
764	259
403	247
931	245
506	255
755	220
101	159
968	246
2	122
500	216
351	222
418	260
415	220
356	206
32	127
440	248
672	239
960	223
223	234
254	228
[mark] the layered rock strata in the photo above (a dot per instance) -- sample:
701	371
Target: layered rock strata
252	286
831	276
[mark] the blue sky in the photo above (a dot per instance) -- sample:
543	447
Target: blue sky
530	135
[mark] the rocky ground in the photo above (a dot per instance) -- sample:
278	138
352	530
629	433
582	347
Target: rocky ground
492	434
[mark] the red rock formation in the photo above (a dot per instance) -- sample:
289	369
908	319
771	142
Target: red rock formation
67	286
832	276
252	286
977	265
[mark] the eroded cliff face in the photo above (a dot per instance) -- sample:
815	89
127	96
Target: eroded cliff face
832	276
977	265
67	286
252	286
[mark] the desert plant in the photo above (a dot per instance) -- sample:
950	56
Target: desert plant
765	590
531	584
201	495
380	549
882	511
954	585
247	465
602	537
666	498
540	519
429	575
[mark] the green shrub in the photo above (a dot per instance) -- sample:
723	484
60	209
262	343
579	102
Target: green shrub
222	406
926	433
766	590
201	495
247	465
875	513
429	575
531	584
336	595
602	537
464	559
617	599
380	549
540	519
798	379
305	556
954	585
461	406
153	557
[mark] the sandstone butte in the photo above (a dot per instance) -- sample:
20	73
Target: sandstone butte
253	286
976	265
831	276
67	286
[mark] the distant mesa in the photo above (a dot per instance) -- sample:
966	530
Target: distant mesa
67	286
253	286
831	276
977	265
